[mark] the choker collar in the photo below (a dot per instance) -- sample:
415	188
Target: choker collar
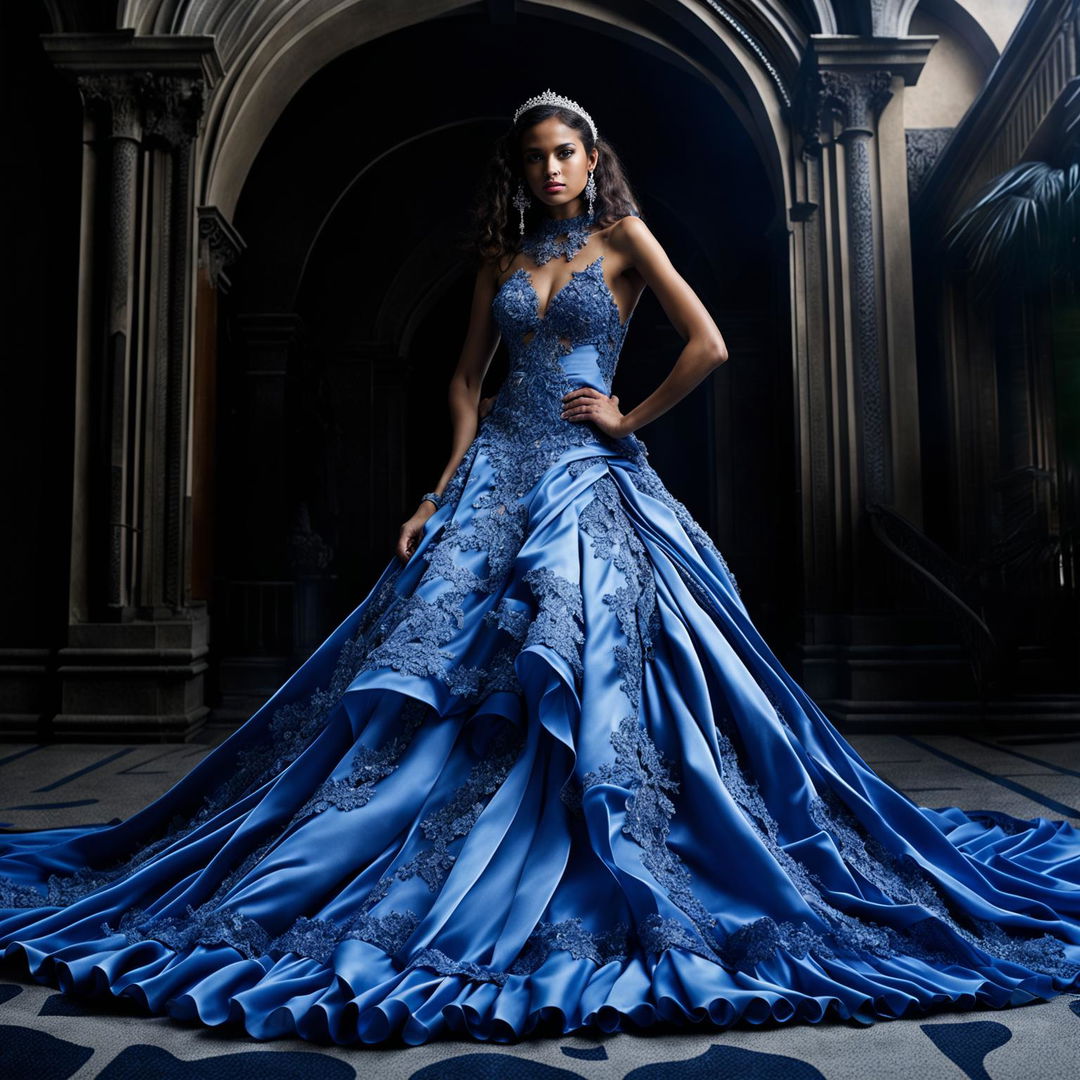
557	236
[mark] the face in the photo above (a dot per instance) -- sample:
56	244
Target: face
552	152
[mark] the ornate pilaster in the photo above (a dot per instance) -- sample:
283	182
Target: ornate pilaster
855	100
174	106
924	146
174	109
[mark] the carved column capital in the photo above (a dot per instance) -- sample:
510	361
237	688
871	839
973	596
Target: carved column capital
115	98
137	103
855	98
174	107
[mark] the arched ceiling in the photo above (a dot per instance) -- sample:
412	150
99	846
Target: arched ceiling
231	23
749	50
270	49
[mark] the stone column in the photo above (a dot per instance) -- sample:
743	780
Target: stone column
115	99
134	660
174	106
857	99
855	351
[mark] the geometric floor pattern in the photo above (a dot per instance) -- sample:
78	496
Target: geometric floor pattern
46	1036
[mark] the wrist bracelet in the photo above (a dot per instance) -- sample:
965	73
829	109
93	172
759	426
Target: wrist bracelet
431	496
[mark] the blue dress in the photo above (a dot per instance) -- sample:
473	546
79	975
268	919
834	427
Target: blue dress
546	776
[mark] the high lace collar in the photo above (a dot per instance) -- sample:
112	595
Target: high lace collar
557	236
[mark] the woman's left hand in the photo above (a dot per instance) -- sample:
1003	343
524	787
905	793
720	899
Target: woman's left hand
587	403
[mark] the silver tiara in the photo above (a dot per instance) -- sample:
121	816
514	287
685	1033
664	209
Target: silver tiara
549	97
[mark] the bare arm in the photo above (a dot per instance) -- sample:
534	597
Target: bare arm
463	396
703	352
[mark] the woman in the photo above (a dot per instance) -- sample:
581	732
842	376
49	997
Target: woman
553	162
547	775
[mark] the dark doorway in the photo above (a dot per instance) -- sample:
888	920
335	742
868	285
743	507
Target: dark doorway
351	214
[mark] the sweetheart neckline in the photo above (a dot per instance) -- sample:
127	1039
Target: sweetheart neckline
551	300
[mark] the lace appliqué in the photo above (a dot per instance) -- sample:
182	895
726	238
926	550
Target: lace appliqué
902	879
412	636
522	437
634	603
557	236
939	938
525	432
583	464
648	480
314	938
841	931
570	936
211	922
559	623
639	768
215	923
368	767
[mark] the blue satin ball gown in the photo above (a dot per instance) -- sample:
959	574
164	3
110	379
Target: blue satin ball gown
546	776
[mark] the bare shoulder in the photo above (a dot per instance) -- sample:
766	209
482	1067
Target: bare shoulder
630	232
633	243
631	238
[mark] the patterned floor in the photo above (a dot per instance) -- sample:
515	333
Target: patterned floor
45	1035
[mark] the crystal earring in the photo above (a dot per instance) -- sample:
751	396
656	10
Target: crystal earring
590	191
521	201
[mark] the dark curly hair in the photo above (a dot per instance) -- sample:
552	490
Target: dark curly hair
494	232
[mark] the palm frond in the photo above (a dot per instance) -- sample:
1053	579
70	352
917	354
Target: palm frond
1022	228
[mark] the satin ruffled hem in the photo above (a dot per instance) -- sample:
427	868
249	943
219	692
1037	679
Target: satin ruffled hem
365	998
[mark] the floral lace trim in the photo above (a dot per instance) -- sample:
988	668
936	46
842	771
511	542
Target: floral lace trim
314	938
648	480
640	768
841	931
559	623
614	539
941	937
367	768
413	638
525	432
